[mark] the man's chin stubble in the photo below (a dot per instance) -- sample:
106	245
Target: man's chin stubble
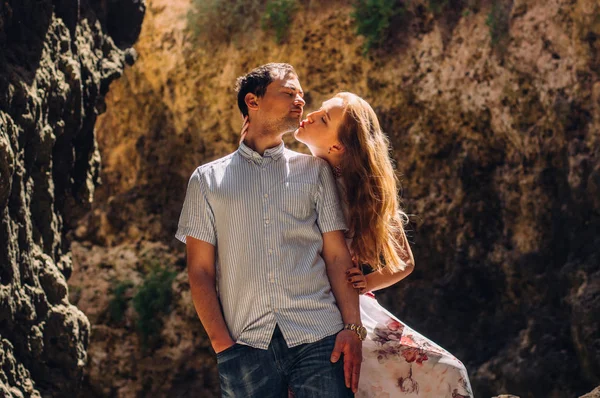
284	127
290	127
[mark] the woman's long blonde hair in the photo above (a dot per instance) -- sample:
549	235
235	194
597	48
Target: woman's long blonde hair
376	222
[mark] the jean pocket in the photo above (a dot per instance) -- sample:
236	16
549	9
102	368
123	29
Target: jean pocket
226	352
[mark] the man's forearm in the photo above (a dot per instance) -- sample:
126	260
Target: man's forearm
208	308
345	295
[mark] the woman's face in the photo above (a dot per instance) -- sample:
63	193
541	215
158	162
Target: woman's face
319	131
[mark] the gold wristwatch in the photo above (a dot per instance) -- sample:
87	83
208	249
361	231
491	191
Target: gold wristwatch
360	330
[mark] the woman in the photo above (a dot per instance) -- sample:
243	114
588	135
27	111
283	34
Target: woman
397	361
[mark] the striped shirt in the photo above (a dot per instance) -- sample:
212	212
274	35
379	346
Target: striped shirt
266	216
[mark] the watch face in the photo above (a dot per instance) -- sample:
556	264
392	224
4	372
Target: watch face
363	332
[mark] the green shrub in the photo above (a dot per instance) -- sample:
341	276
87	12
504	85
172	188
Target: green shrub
373	19
220	21
278	17
118	304
437	6
498	20
152	300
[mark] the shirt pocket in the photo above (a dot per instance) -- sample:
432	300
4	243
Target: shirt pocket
297	200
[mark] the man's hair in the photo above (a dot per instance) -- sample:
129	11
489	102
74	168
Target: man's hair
257	80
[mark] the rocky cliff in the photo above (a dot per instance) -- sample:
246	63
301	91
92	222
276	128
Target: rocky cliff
493	109
57	60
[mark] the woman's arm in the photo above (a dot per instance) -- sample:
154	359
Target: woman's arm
385	277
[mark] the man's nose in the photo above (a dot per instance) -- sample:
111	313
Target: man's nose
299	100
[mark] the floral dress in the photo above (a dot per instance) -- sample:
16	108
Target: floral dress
399	362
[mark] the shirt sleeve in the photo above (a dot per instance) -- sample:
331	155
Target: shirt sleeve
197	218
330	216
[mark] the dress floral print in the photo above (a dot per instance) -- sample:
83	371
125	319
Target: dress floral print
399	362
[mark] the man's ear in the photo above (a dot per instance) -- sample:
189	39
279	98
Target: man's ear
251	101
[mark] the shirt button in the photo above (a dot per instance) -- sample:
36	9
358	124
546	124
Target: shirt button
270	251
266	221
266	195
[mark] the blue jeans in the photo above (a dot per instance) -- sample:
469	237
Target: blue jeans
306	369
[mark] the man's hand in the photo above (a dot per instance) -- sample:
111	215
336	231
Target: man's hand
348	343
222	345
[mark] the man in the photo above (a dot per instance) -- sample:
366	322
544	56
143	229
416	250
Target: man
267	257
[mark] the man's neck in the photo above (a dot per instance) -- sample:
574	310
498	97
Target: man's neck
260	142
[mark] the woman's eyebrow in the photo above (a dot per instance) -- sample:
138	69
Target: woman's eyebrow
326	113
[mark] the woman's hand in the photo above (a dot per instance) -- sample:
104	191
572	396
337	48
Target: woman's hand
355	277
244	129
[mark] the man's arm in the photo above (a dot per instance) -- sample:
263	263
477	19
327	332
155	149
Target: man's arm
338	260
201	273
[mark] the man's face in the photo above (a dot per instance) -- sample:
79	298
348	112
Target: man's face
282	105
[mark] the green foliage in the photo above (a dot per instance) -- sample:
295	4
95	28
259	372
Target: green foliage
498	20
220	21
278	16
373	19
153	299
437	6
118	304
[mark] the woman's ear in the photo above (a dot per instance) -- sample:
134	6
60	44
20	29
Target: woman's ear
251	101
339	148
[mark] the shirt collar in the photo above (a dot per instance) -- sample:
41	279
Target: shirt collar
250	154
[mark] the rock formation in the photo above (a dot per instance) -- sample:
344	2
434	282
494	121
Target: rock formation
496	139
57	60
495	134
592	394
